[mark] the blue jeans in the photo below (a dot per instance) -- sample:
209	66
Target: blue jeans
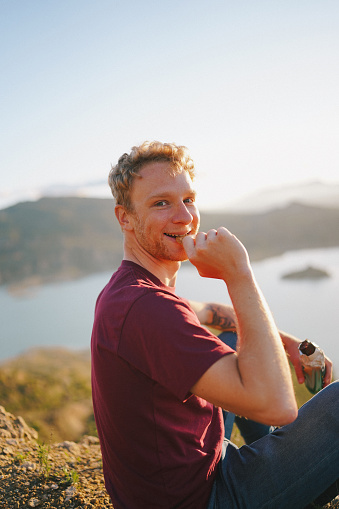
288	468
250	430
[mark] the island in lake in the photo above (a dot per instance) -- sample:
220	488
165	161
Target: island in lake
308	273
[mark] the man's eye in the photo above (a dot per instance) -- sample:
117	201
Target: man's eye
189	200
160	203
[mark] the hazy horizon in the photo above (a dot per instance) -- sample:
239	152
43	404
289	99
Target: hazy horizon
250	88
308	191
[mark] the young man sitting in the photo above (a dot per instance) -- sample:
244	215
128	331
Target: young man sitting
160	379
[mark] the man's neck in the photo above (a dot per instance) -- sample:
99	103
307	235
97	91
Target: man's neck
165	270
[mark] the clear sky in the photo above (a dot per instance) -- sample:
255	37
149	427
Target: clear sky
250	86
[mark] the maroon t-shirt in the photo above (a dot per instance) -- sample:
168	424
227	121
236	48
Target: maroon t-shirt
160	443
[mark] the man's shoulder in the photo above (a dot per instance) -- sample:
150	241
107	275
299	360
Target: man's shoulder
131	283
132	298
134	278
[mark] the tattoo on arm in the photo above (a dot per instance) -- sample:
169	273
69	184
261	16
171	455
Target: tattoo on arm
218	318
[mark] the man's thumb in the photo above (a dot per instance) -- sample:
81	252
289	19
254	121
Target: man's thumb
189	245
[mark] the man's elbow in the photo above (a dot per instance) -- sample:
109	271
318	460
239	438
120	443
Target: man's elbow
288	415
278	411
284	413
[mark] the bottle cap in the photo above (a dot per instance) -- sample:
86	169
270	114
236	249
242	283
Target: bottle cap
306	347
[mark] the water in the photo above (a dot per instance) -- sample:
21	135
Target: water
304	308
62	314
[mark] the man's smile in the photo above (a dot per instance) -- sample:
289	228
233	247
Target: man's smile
178	237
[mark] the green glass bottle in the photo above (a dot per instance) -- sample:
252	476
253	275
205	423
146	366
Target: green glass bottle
313	363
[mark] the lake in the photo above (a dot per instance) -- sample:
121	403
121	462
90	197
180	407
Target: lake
62	313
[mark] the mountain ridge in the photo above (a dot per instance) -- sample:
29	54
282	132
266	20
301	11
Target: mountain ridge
65	238
312	193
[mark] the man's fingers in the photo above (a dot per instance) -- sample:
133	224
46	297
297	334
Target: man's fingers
328	373
200	239
300	374
189	245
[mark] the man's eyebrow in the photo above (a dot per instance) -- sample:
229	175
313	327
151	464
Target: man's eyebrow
165	194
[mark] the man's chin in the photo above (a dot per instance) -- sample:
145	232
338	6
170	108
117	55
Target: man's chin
176	258
181	256
182	259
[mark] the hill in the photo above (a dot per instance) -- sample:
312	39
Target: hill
314	193
274	232
51	389
58	238
64	238
52	475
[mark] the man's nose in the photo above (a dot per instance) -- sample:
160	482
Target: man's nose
182	214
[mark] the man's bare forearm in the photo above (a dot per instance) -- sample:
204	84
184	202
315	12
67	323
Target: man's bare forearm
255	381
218	316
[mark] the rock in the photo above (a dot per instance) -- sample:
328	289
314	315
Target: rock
24	431
89	440
4	433
308	273
12	441
28	465
72	447
70	492
7	451
34	502
15	427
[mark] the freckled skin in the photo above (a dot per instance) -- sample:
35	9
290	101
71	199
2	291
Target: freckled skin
172	211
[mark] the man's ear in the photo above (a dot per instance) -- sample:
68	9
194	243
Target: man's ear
124	218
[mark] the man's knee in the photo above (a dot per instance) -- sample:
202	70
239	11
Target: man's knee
331	391
326	401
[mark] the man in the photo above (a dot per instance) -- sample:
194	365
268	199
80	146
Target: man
160	380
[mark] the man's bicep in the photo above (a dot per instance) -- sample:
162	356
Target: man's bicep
222	386
219	382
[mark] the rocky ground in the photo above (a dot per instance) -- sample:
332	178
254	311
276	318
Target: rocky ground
52	476
65	474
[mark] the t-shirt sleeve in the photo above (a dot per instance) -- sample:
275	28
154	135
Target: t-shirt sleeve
162	337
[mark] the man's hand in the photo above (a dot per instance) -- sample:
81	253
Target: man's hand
291	345
217	254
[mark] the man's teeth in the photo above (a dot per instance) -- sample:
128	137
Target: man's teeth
176	236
